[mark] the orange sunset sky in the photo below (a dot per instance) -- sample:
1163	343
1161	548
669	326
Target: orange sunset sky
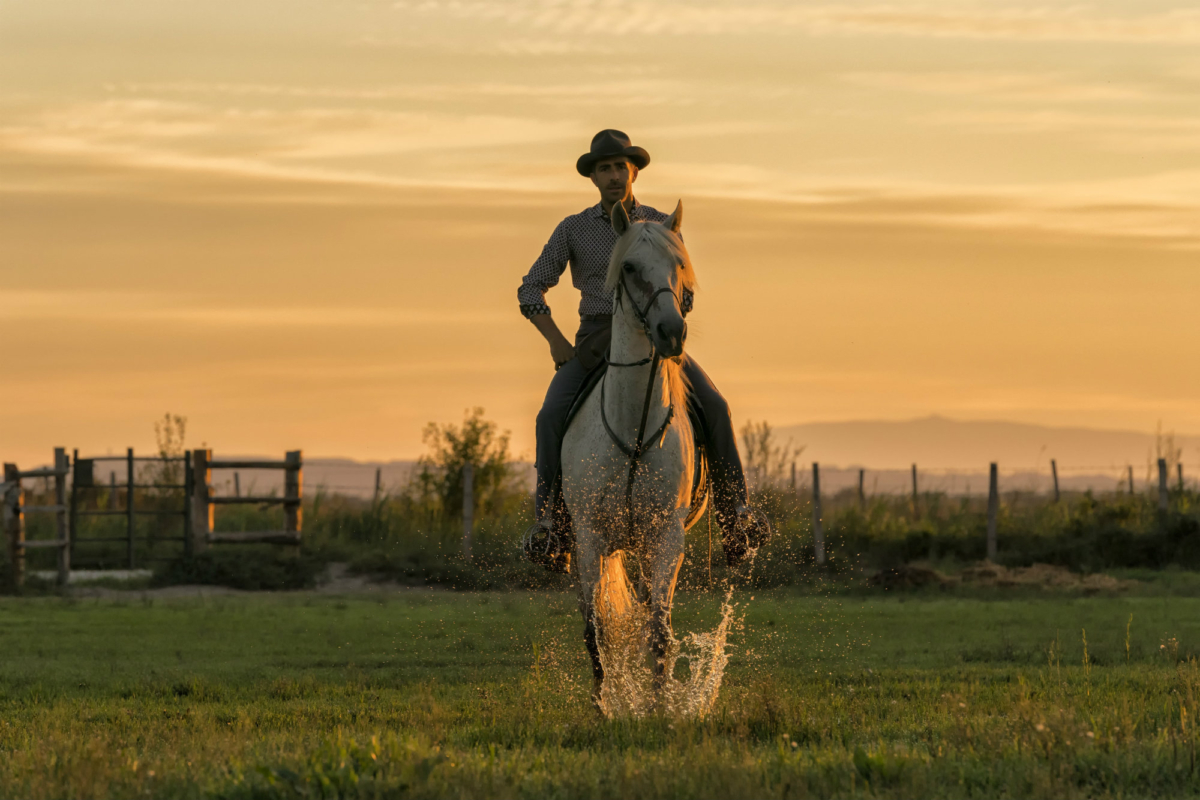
303	223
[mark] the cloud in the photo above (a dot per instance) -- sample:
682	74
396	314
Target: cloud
1036	87
583	93
395	149
1129	132
1164	207
307	144
147	308
990	20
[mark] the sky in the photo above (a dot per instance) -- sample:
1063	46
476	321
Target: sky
302	224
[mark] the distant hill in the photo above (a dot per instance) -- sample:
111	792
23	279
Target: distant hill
334	475
940	443
951	456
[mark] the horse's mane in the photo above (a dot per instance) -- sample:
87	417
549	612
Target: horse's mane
658	235
667	239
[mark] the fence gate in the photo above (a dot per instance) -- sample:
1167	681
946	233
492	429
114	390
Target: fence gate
154	489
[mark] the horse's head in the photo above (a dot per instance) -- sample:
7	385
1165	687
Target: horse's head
650	268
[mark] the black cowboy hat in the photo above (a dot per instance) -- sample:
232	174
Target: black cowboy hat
607	144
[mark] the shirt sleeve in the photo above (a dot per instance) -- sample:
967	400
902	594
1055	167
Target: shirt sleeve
544	274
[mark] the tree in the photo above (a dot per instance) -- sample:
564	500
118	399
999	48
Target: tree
170	433
478	442
766	463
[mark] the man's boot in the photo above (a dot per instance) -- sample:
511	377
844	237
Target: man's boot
543	545
750	530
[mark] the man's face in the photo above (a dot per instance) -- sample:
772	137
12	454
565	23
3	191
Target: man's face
614	178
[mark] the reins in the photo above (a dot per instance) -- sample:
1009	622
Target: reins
639	446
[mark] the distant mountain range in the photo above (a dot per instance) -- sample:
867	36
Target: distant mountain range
950	455
940	443
333	475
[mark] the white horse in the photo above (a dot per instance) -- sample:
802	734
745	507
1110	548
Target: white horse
628	457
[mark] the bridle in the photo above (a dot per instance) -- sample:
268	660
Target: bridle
640	446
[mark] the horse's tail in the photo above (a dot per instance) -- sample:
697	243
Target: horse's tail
614	593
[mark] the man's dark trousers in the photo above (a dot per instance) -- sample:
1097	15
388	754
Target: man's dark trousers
725	465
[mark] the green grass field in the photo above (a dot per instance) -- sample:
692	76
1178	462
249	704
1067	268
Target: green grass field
422	693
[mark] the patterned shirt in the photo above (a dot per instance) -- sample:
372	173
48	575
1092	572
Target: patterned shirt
585	240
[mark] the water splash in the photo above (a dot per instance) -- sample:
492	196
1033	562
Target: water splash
630	687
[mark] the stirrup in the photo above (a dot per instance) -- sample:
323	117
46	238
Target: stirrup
544	546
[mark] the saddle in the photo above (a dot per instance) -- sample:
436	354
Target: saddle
597	366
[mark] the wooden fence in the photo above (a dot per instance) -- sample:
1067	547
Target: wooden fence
993	505
196	509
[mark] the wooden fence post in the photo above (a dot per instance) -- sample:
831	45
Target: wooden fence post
1054	472
916	507
73	518
378	483
793	477
14	523
293	491
1131	479
862	497
112	490
237	484
992	510
818	525
1164	497
202	509
1179	470
130	520
62	527
468	507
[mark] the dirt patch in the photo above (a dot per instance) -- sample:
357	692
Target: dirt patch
987	574
1045	576
909	576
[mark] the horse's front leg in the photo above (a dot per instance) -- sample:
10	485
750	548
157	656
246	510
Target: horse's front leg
666	554
587	561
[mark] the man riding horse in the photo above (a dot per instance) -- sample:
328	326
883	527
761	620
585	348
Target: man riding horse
585	242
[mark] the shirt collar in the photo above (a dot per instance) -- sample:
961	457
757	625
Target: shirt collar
598	210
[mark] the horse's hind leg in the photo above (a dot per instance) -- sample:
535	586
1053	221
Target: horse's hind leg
665	558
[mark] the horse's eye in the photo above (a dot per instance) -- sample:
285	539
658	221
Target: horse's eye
628	268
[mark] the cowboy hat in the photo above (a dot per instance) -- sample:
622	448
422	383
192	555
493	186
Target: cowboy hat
607	144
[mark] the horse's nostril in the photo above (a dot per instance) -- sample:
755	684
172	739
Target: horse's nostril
662	332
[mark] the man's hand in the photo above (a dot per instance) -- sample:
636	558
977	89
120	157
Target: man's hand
561	350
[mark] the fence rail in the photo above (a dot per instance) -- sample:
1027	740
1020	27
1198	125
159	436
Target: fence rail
204	501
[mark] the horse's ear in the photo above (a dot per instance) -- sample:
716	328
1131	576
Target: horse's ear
620	219
675	221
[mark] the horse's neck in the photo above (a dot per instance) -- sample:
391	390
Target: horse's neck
626	386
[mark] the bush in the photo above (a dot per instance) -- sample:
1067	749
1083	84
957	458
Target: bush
252	567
